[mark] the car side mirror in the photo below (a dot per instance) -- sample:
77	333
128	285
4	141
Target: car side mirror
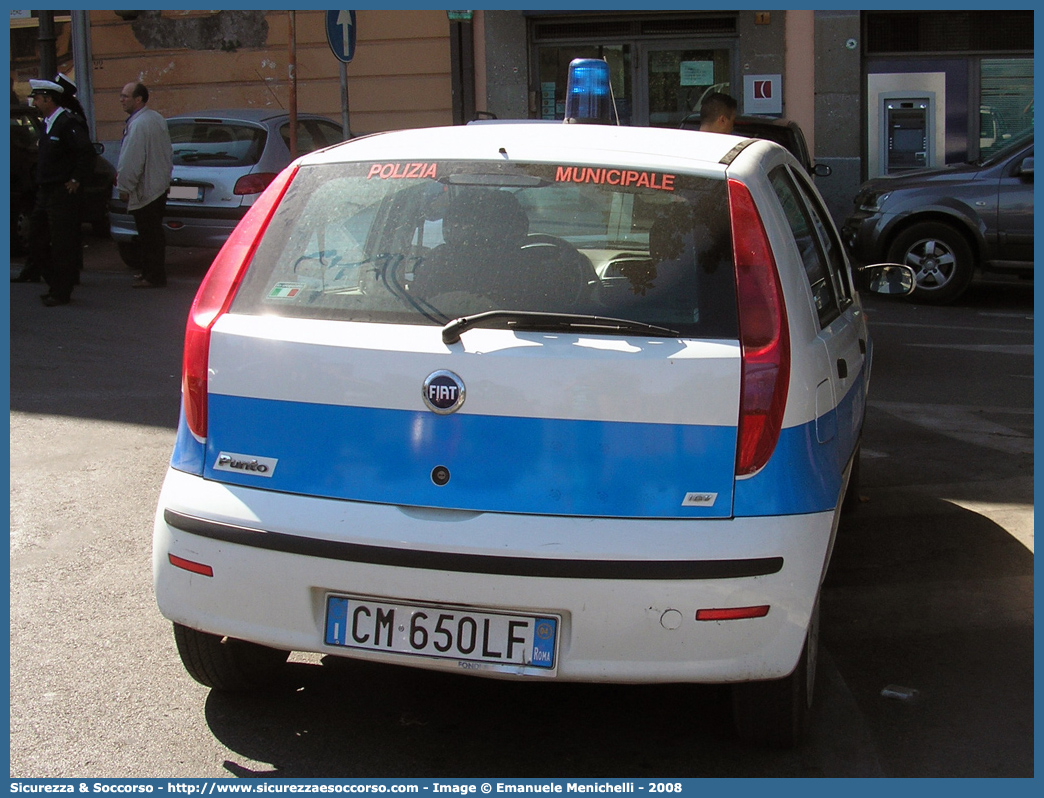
1026	167
888	278
822	170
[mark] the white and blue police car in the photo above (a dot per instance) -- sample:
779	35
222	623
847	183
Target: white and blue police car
559	401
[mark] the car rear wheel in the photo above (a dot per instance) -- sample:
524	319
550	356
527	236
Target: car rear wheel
129	253
20	229
851	499
941	258
776	713
224	663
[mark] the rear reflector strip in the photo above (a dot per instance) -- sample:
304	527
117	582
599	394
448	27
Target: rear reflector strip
188	565
732	613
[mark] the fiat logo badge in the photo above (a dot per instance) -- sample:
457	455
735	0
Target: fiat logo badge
443	392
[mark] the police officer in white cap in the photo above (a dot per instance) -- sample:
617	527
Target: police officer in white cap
68	98
65	161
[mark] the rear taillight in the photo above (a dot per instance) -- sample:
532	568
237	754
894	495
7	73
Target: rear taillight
253	184
764	335
215	295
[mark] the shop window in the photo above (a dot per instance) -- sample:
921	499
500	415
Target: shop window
1005	101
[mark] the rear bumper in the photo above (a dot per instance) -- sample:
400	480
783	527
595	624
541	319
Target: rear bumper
206	228
627	591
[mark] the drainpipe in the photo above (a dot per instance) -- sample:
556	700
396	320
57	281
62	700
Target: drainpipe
46	38
462	66
293	84
481	90
82	60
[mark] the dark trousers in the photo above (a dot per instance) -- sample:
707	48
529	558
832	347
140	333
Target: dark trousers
55	249
152	243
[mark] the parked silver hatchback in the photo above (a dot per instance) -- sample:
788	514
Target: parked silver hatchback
223	160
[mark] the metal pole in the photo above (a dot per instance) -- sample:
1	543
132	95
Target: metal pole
467	71
293	84
82	60
47	38
346	131
455	74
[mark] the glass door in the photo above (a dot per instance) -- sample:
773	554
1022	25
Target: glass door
675	77
553	71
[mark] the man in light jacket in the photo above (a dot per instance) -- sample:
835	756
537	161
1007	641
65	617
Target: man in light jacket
142	179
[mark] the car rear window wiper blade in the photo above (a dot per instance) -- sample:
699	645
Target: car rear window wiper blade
192	157
553	322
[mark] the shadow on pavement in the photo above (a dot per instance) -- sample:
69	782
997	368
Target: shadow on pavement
115	352
926	596
946	611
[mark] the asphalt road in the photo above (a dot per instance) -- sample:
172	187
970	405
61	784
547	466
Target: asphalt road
927	614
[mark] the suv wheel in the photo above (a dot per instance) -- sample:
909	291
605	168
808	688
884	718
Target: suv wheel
776	713
225	663
941	258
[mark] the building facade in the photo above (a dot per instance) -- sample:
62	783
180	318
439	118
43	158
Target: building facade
876	92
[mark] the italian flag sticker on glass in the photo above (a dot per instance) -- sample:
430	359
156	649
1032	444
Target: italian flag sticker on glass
284	291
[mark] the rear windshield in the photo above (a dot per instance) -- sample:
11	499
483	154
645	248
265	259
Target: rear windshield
425	243
208	142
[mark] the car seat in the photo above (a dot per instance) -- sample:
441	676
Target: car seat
483	231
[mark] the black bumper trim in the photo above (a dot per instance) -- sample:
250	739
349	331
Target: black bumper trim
475	563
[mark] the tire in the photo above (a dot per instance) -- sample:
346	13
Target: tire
775	713
129	254
851	500
20	230
941	257
227	664
100	228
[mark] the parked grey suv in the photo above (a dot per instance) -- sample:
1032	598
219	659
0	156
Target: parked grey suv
946	223
785	133
223	160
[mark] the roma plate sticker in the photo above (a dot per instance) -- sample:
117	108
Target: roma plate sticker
696	499
285	291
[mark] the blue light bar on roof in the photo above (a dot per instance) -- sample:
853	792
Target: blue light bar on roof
589	98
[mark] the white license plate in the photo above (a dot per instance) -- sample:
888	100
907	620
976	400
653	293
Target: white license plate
462	634
185	193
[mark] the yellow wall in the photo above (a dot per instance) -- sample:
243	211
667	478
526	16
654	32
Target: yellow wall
399	77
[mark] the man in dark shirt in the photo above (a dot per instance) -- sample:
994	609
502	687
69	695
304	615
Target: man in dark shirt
66	159
718	113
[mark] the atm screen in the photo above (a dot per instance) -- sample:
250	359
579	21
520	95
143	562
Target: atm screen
908	140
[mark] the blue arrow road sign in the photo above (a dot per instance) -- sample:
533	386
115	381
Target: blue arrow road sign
340	32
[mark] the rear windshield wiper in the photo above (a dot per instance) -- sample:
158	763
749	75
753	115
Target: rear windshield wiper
549	322
192	157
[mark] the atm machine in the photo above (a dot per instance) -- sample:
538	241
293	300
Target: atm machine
907	131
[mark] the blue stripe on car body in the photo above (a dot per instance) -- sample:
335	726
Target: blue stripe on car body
519	465
495	463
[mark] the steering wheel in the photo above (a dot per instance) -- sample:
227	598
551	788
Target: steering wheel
554	260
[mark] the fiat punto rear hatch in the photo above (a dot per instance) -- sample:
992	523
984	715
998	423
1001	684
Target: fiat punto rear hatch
490	336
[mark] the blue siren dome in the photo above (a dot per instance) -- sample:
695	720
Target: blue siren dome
589	96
